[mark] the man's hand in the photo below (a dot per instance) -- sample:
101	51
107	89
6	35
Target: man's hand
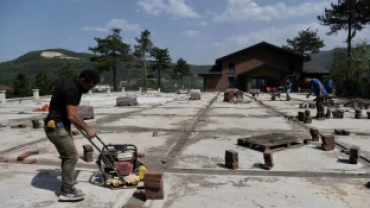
91	133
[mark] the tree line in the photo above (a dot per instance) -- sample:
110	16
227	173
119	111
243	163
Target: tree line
111	54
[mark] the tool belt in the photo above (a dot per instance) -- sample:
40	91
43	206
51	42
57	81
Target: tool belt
54	124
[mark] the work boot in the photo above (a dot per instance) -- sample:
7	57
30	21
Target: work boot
72	194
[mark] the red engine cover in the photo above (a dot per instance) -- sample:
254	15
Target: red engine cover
123	168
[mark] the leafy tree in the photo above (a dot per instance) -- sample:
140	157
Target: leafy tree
20	85
143	49
350	15
162	62
44	83
181	70
112	51
64	73
306	41
356	77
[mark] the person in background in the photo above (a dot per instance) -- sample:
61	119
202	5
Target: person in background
330	88
288	89
319	90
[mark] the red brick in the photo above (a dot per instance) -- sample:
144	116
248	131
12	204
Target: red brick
23	156
327	148
231	153
30	161
153	174
152	180
87	148
355	151
152	195
316	138
131	206
153	185
140	154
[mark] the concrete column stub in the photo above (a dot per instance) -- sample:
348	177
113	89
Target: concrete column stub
36	94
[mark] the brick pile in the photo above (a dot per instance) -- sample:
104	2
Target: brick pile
269	163
153	185
354	154
342	132
358	114
36	124
195	96
328	113
301	115
312	105
239	95
315	134
328	142
88	153
231	159
229	94
308	119
302	105
338	114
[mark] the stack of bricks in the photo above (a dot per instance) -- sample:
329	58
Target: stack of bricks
195	96
358	114
301	115
312	105
338	114
302	105
368	115
88	153
231	159
229	95
239	95
342	132
354	154
153	185
308	119
315	134
328	113
328	142
269	163
36	124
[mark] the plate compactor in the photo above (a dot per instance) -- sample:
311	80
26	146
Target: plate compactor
119	165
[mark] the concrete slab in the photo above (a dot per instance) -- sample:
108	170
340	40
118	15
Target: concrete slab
171	111
207	151
9	119
276	124
183	190
362	141
114	110
239	112
356	125
38	186
13	137
152	122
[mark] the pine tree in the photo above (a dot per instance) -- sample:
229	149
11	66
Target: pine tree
142	50
20	85
350	15
64	73
112	52
162	62
181	70
43	82
306	41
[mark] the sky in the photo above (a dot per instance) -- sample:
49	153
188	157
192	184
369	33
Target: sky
199	31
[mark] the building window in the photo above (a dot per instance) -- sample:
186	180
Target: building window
231	68
231	82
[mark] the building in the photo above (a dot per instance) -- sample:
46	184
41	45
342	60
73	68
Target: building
257	67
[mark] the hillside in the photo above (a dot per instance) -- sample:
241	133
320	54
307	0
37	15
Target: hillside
52	59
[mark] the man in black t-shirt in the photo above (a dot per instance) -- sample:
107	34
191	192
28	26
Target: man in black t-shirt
63	112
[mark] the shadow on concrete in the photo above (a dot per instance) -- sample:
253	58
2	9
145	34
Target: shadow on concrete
342	160
317	148
257	165
48	179
139	195
222	165
367	185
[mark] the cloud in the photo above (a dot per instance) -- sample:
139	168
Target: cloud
115	23
240	10
175	8
204	24
279	37
192	33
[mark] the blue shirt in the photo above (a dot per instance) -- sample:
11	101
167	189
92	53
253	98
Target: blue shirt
329	85
288	87
315	84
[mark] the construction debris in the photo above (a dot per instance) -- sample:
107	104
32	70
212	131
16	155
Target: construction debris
36	124
27	154
126	101
354	154
328	142
88	153
153	185
315	134
195	94
267	156
231	159
43	108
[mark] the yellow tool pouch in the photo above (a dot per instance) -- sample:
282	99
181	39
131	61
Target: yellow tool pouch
51	124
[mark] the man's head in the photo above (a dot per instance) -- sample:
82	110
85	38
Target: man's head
88	79
307	80
287	79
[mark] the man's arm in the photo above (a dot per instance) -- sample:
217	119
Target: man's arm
320	93
78	122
